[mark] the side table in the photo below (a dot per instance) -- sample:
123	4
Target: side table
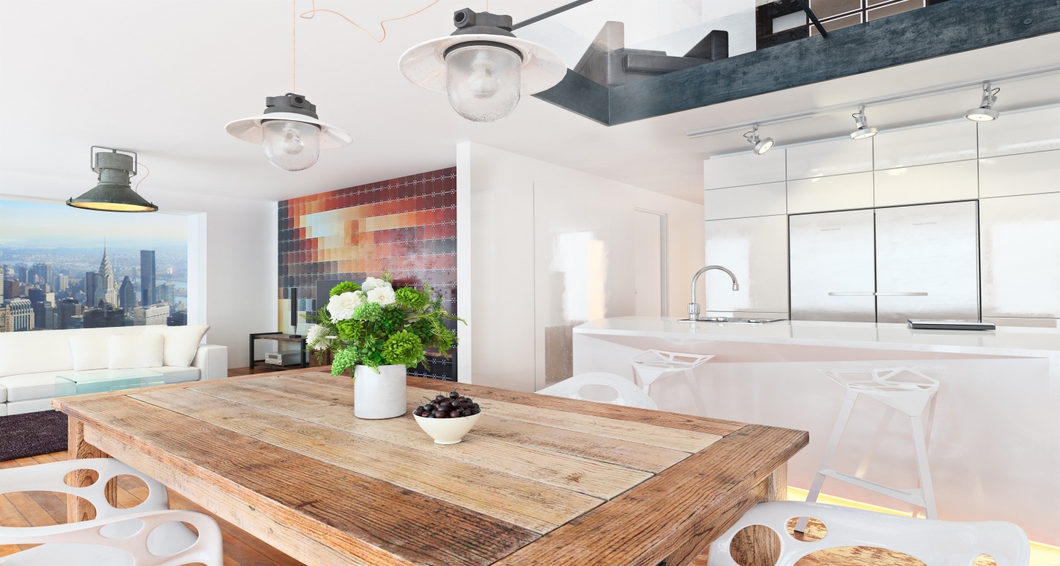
279	337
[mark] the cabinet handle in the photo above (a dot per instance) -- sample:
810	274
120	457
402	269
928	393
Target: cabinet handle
905	294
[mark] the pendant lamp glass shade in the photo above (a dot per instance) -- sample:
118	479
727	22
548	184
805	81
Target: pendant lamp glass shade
482	67
113	193
289	132
483	81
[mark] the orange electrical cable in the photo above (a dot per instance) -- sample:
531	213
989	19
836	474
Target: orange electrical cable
294	48
141	164
314	11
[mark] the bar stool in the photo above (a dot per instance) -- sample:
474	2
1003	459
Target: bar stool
913	396
653	365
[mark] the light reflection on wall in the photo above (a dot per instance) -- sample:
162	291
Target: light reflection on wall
583	262
734	252
1012	291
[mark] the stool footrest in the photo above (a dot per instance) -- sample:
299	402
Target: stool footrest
913	496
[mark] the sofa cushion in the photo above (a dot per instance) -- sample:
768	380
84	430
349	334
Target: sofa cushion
3	394
47	350
90	351
181	342
129	351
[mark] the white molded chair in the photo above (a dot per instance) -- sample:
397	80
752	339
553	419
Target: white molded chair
933	542
601	387
900	389
653	365
148	534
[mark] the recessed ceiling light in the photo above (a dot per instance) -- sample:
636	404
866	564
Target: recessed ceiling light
760	145
985	112
863	132
482	66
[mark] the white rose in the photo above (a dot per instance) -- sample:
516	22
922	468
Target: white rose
341	306
383	296
316	338
371	283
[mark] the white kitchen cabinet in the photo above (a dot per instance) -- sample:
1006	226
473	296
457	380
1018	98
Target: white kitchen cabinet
743	169
941	182
822	194
939	143
1020	256
1024	174
829	158
1020	132
756	251
742	202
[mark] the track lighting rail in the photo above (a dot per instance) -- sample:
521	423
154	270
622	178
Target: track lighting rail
891	99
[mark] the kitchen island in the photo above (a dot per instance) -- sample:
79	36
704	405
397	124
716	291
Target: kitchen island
995	444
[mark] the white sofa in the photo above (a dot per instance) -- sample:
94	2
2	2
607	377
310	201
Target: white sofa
30	361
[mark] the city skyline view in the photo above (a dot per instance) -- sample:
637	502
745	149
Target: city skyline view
70	268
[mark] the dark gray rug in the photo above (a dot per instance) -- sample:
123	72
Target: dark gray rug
32	434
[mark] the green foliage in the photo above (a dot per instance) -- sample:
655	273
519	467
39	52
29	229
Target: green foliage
399	333
344	287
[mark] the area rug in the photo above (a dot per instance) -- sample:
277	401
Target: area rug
32	434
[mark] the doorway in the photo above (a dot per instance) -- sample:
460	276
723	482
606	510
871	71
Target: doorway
650	263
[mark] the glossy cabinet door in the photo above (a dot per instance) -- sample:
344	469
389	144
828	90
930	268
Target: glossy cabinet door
832	267
756	251
927	262
1021	256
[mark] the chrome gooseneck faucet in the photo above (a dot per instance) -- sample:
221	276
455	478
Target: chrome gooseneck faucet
693	307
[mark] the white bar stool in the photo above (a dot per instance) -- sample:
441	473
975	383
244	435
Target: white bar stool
653	365
903	389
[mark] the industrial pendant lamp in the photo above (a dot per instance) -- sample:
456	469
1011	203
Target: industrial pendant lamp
113	193
863	132
985	112
289	130
482	66
760	145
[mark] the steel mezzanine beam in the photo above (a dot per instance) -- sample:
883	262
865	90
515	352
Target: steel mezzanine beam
943	29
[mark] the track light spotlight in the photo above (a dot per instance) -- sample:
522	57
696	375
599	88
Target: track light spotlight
985	112
760	145
863	132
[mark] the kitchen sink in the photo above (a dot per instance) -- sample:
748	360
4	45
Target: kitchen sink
735	320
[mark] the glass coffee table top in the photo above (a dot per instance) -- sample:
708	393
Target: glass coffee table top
98	381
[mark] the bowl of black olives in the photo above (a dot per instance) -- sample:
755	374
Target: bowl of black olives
447	418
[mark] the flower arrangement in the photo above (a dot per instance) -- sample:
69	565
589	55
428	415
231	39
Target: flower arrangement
373	324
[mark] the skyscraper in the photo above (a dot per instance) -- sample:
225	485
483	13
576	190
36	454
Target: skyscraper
147	278
127	295
92	291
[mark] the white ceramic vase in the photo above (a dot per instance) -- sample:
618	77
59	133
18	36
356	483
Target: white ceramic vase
379	395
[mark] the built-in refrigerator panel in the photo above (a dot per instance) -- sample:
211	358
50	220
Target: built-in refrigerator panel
832	266
927	262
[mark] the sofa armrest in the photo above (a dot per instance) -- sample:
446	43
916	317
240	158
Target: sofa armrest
212	361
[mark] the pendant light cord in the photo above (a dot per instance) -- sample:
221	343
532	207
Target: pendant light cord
310	14
141	164
294	48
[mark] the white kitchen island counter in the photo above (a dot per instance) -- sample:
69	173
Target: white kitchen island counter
995	445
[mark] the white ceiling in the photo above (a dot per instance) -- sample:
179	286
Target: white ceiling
163	78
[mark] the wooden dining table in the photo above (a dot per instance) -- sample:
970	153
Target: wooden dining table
539	480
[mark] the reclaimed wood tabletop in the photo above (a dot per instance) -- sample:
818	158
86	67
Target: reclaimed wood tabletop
539	480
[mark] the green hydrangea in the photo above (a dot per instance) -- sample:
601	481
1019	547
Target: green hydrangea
344	360
344	287
411	298
350	330
403	348
368	312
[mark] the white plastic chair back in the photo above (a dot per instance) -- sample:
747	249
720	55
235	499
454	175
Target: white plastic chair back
91	543
938	543
601	387
169	538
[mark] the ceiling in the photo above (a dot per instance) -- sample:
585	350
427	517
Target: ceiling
163	78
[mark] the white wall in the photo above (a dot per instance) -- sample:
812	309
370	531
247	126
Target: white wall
1011	166
232	259
514	213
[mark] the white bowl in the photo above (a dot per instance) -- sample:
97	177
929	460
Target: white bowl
447	431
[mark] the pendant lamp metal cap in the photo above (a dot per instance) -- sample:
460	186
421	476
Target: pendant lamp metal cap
760	145
290	103
863	132
985	112
470	22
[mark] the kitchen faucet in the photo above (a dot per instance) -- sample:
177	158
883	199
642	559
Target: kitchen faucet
693	307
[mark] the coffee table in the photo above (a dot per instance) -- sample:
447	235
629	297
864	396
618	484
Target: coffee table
99	381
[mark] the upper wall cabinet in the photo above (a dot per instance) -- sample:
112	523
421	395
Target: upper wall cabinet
829	158
841	192
742	202
1025	174
941	182
955	141
1020	132
743	169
